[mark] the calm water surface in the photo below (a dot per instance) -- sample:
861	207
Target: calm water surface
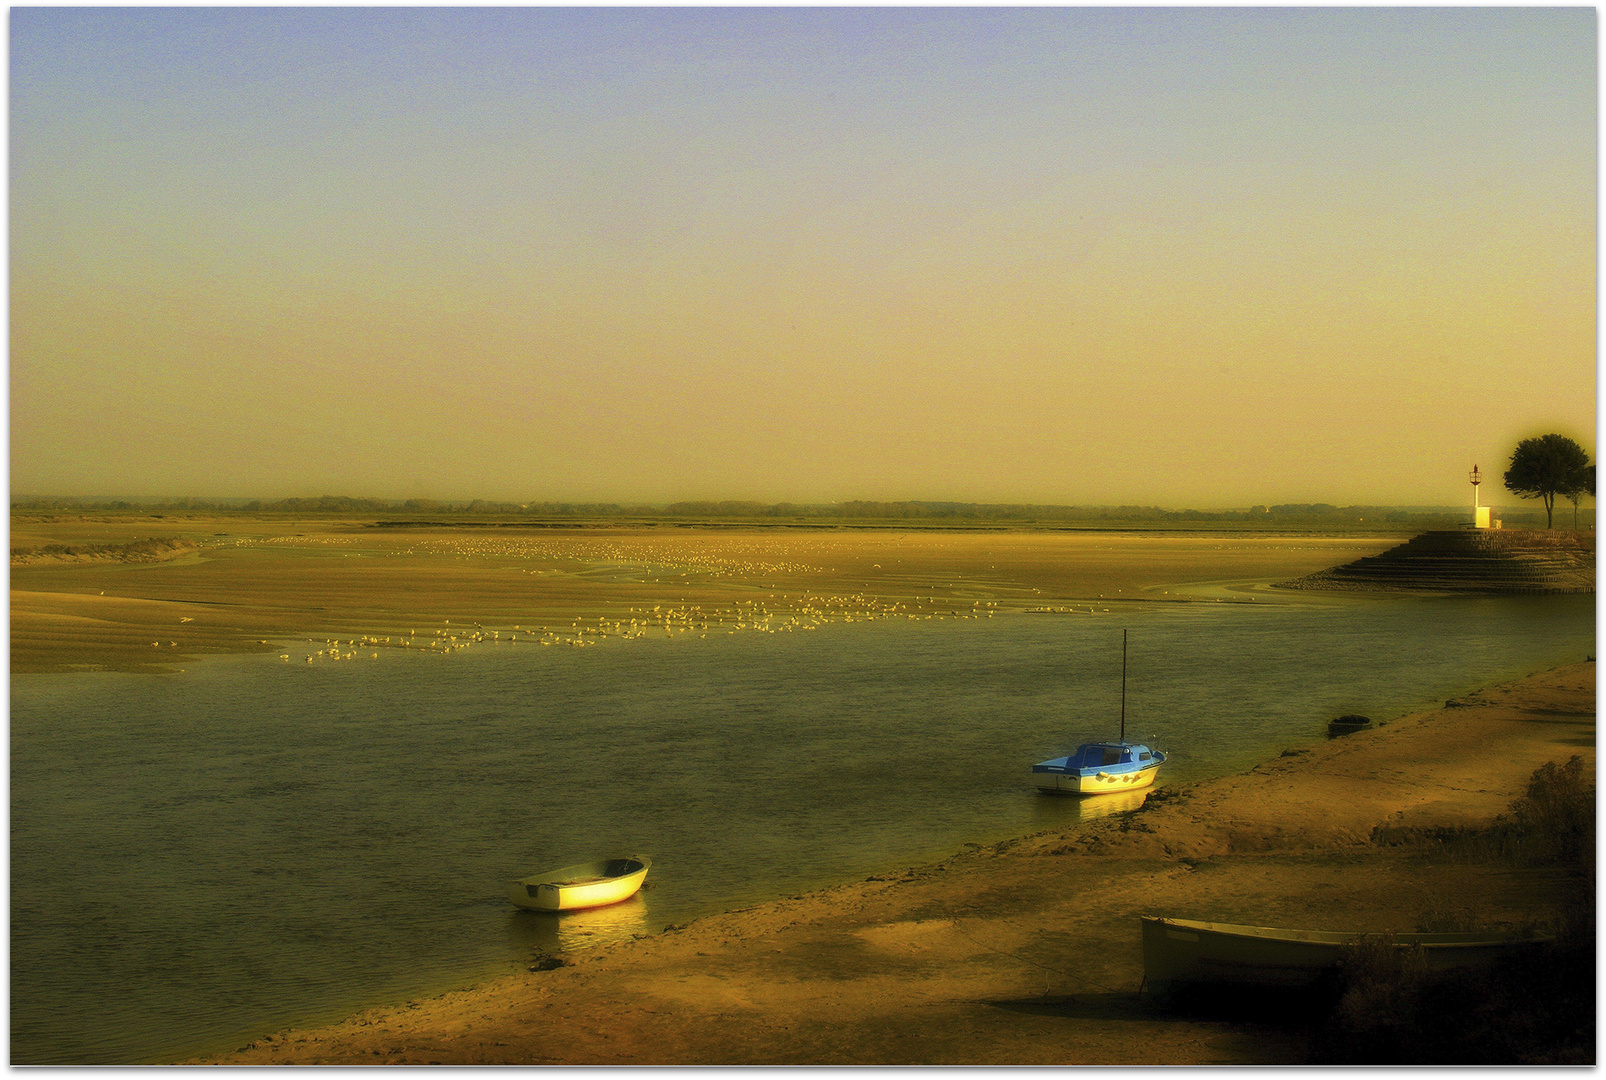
200	859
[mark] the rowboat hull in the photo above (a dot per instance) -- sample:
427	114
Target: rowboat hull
584	885
1182	951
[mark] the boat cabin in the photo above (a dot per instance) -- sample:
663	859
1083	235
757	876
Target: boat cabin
1103	755
1095	768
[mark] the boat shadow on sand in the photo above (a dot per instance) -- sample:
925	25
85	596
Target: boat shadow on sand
1249	1036
1257	1008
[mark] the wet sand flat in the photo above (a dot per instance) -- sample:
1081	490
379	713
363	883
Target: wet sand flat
256	582
1027	951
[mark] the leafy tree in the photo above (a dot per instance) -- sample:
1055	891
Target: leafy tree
1545	467
1586	487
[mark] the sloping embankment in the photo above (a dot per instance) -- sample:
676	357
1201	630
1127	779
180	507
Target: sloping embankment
1470	560
141	551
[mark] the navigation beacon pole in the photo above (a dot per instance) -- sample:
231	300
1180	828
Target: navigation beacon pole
1480	514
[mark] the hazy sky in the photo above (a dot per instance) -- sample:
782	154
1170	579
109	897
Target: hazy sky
1189	256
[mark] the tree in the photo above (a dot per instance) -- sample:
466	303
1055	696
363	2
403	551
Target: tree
1545	467
1587	487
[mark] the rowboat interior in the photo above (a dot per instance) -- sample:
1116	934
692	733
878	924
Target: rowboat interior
584	885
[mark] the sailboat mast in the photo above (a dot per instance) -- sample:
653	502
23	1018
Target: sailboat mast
1123	686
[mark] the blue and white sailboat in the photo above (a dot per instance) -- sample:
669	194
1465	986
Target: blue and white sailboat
1102	768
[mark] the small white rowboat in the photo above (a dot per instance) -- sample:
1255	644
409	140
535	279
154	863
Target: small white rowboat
1180	951
584	885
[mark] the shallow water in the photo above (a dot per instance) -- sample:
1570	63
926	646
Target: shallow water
203	858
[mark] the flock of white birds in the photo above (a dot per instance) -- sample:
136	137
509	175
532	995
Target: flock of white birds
807	613
658	559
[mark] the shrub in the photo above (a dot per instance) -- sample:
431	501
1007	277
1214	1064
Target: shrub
1535	1007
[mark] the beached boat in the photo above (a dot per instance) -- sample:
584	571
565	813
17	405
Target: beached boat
1182	951
1101	768
1347	725
584	885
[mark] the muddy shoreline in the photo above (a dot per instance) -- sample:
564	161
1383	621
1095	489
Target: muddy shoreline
1027	951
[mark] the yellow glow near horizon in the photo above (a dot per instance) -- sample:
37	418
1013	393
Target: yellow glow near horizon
769	257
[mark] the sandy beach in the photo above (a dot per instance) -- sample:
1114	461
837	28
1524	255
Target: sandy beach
1027	951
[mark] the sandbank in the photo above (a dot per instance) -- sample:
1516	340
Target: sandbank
264	586
1027	951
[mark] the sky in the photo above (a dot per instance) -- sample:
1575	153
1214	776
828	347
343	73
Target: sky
1187	257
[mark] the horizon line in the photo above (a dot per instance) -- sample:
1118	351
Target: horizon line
706	505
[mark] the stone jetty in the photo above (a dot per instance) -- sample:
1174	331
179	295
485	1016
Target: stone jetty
1470	561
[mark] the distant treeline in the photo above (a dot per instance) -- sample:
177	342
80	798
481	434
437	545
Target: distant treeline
1023	512
1283	514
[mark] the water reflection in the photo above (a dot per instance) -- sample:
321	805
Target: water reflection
569	931
1117	802
1058	810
